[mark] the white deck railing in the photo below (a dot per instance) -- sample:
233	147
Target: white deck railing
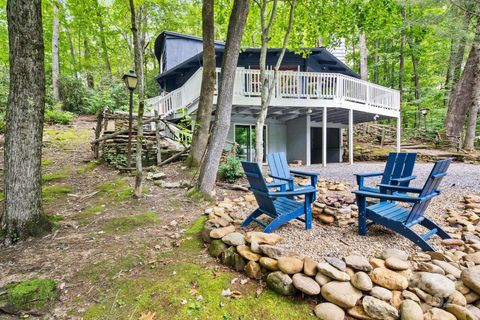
292	88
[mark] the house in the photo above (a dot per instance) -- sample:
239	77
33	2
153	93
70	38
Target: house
316	99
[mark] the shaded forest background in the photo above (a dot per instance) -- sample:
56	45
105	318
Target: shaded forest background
431	37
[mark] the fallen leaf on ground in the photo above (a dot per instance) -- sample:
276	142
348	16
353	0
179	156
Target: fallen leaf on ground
147	316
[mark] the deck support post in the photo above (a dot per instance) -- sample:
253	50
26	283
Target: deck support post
308	155
350	136
324	137
399	132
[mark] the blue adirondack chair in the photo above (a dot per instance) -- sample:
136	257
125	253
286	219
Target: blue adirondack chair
282	174
276	205
399	219
398	171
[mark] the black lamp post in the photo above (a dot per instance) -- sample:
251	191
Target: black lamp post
130	80
424	112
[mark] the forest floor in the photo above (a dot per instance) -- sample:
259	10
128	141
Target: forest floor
116	257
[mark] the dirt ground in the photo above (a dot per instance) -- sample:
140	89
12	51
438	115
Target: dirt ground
116	257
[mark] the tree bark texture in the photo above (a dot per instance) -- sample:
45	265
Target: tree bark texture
204	111
23	214
103	40
363	56
72	55
465	94
138	55
268	85
55	57
209	168
86	58
401	71
469	143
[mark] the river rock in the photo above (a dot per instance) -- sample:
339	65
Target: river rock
410	310
281	283
305	284
461	313
471	278
231	258
433	283
329	311
219	233
247	253
410	295
381	293
234	239
358	262
332	272
269	263
342	294
395	263
472	257
438	314
337	263
392	252
322	279
430	267
457	298
448	268
389	279
362	281
357	312
379	309
216	248
262	237
253	270
272	251
309	267
290	265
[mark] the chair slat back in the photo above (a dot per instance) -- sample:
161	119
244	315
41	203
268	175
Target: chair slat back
277	162
258	186
399	165
439	170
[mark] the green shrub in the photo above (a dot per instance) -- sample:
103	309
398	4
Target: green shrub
231	170
54	116
110	94
74	94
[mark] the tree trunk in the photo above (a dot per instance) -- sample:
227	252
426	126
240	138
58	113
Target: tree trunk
86	58
209	168
138	55
401	71
204	111
103	41
376	61
465	93
55	57
268	85
23	216
469	143
72	54
363	56
416	82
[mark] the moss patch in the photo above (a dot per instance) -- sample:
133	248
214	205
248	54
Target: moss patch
197	195
88	167
116	191
46	162
128	223
2	196
52	176
89	212
50	193
34	295
66	137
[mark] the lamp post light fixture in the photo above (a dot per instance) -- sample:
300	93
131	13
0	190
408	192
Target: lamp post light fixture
130	80
424	112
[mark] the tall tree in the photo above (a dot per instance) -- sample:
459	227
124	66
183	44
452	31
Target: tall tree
23	214
138	55
204	111
465	94
470	132
55	55
209	168
363	56
268	83
103	40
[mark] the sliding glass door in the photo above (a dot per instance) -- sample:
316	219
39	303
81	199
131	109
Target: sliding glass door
245	139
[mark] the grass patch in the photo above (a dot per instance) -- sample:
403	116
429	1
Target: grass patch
50	193
66	137
117	190
2	196
198	195
53	176
88	167
128	223
90	212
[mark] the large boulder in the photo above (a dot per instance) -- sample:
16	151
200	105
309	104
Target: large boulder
329	311
433	283
281	283
389	279
379	309
341	293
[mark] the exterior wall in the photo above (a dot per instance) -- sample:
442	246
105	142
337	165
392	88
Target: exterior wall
298	139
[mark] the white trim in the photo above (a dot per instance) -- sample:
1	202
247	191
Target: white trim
399	133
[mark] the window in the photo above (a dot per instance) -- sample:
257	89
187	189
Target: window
245	140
